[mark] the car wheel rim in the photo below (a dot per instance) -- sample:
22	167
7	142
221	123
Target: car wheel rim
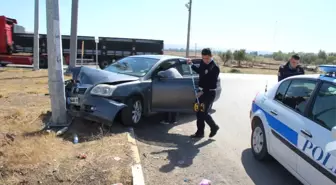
136	112
258	140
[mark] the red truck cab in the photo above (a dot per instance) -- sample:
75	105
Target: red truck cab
6	34
7	44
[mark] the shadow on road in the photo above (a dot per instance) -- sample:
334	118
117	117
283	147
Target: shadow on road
266	173
183	148
183	155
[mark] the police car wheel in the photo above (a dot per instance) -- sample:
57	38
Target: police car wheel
258	142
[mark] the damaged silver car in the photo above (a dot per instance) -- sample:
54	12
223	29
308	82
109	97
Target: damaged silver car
130	89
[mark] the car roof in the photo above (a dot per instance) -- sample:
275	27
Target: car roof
159	57
310	76
315	76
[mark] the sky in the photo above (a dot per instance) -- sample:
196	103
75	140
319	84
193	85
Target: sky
260	25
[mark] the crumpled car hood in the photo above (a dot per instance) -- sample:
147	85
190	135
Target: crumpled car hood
87	75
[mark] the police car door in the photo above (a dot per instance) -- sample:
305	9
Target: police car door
286	111
316	165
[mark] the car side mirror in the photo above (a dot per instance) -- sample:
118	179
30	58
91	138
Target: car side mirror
160	76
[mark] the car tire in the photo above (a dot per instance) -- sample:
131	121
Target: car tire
3	65
133	113
103	64
258	142
43	63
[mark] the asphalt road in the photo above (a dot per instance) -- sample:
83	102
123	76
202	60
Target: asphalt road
169	156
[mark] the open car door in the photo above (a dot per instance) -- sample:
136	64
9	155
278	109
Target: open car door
173	95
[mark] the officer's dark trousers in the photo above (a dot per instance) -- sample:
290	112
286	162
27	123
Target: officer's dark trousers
207	99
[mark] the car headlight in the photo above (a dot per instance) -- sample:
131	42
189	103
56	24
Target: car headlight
103	90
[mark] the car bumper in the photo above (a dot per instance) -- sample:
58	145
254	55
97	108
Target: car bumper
96	109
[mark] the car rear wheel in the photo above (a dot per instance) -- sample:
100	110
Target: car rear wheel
258	142
132	114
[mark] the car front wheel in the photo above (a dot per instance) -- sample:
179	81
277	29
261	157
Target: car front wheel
258	142
132	114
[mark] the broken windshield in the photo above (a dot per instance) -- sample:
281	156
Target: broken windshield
134	66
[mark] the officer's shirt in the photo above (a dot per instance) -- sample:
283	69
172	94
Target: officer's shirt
286	71
208	75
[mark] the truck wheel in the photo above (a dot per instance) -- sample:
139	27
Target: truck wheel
103	64
43	63
132	114
258	142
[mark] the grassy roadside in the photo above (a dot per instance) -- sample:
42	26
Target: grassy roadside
28	156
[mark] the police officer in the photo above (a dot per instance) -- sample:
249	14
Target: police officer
291	68
208	74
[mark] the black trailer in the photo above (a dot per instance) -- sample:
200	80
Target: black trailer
109	48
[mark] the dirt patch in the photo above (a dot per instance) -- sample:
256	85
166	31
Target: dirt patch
29	155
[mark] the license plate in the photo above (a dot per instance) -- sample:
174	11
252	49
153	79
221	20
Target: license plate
73	100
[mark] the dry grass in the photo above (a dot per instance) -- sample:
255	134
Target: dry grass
29	156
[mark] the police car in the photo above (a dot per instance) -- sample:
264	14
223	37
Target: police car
294	121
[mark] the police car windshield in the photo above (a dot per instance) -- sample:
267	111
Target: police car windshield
134	66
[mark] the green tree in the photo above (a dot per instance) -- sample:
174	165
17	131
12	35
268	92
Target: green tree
308	58
322	55
239	55
226	56
331	60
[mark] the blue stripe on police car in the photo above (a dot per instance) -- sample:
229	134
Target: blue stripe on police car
305	146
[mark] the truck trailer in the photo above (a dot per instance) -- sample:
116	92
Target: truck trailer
18	48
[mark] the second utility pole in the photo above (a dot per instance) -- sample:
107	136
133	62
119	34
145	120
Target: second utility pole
189	20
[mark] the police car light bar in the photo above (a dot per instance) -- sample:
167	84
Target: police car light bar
330	70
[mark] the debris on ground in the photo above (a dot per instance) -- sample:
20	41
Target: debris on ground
117	158
75	139
82	156
205	182
6	139
60	132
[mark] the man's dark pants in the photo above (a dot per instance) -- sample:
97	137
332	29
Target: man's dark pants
170	117
207	99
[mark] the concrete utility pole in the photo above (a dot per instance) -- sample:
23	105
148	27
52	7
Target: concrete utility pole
188	5
36	37
73	36
55	65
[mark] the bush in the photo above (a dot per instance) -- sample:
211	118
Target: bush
234	71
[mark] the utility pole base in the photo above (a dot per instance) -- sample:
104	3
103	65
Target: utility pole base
52	124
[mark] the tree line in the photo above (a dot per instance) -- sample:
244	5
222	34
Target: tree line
306	58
